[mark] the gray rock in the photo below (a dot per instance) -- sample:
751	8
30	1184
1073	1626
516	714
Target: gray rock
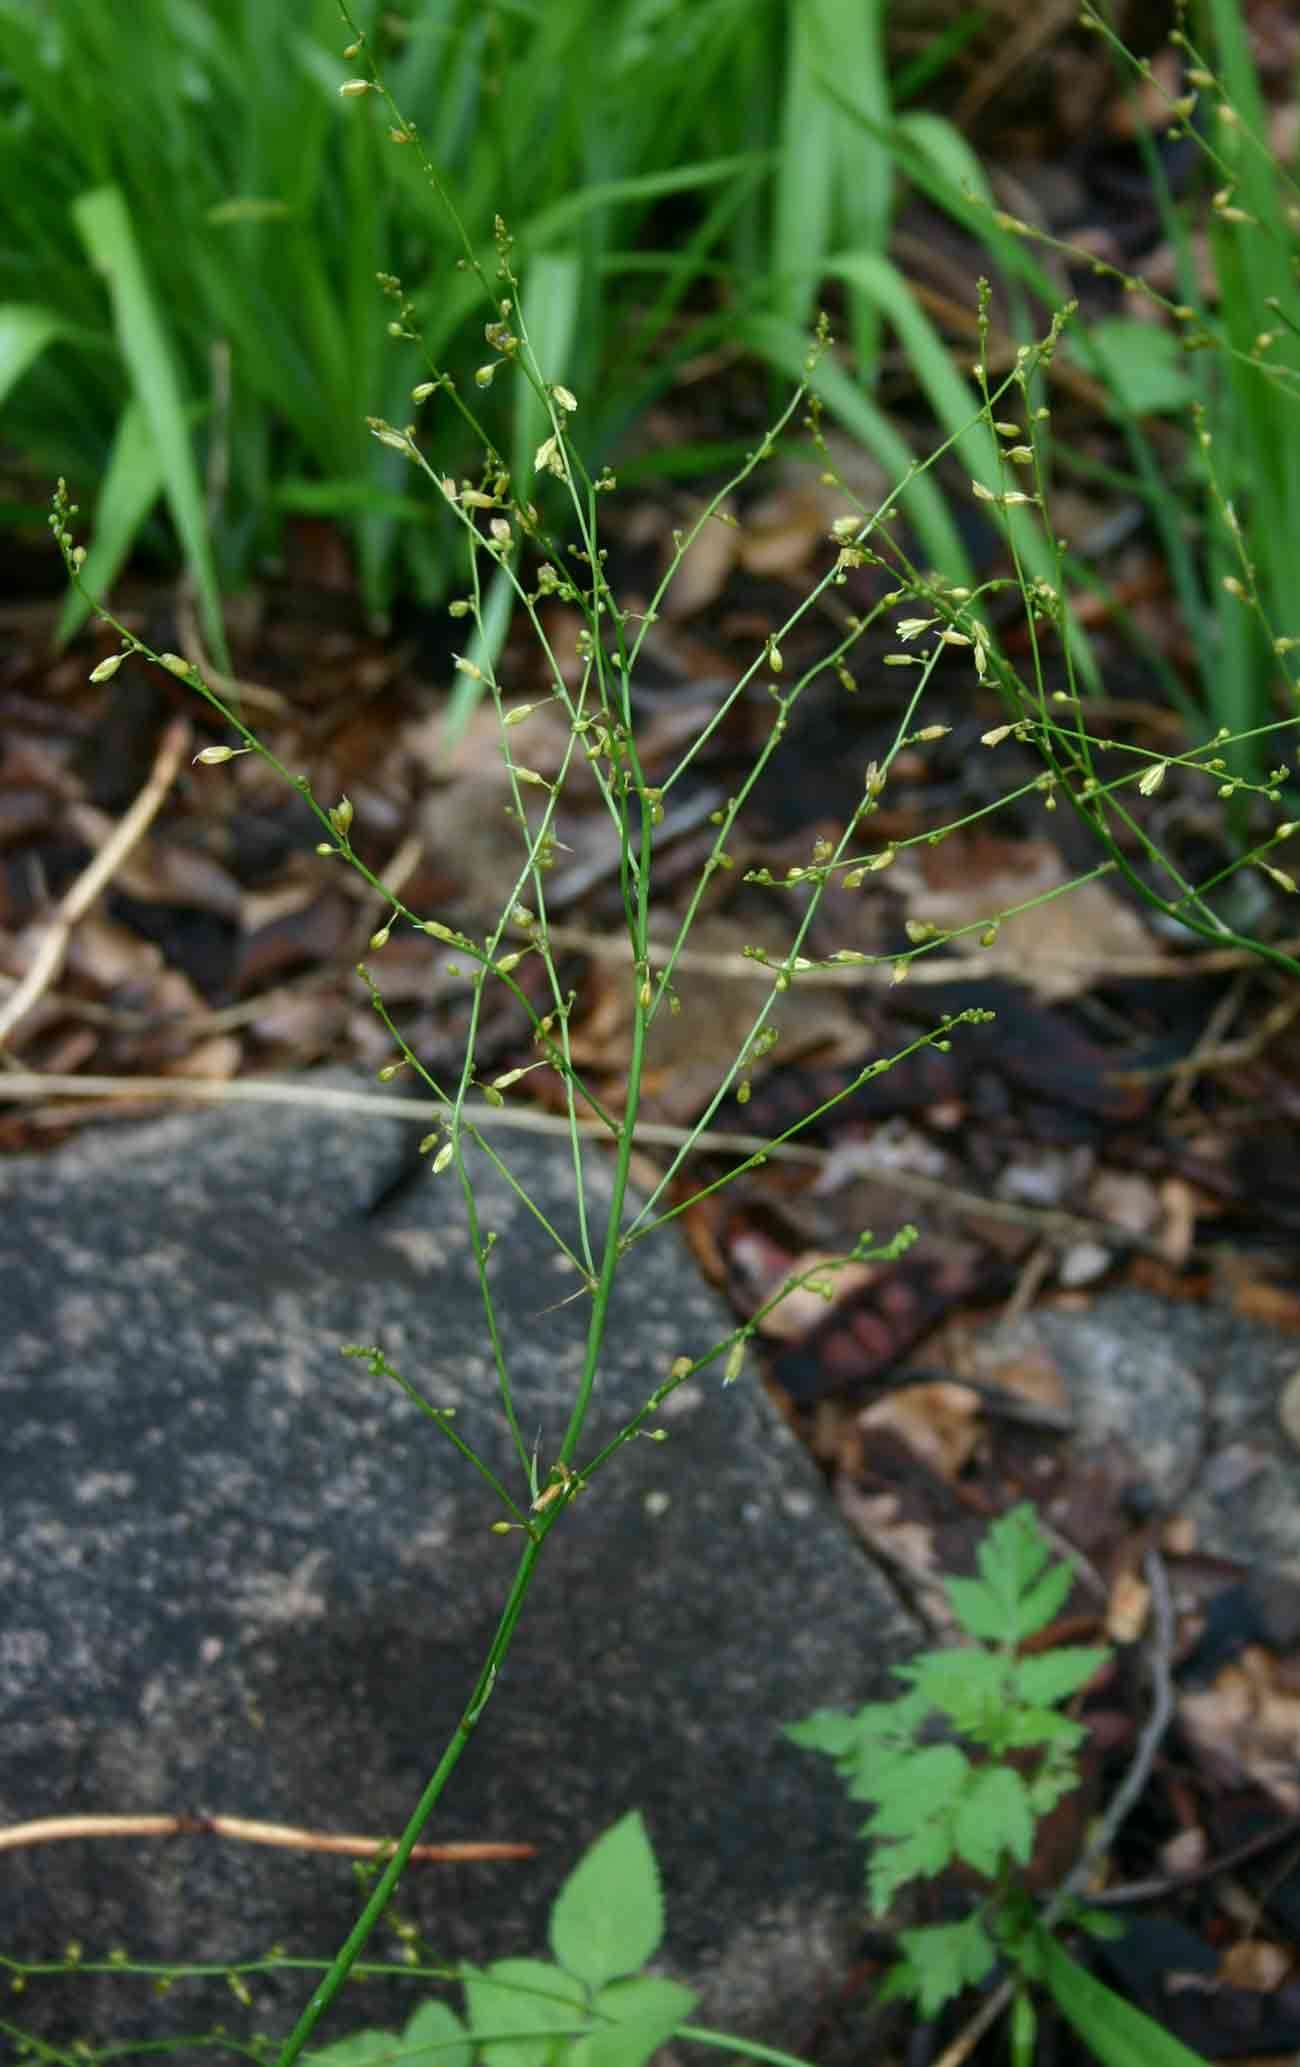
1194	1392
242	1575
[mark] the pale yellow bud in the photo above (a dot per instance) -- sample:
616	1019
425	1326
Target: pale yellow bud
107	668
175	665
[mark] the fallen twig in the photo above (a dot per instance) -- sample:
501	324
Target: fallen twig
286	1836
95	877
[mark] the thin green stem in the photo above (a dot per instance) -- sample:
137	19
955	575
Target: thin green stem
384	1887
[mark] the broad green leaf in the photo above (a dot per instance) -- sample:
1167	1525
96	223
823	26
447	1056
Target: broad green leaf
645	2011
981	1610
24	334
1051	1677
994	1817
104	223
435	2037
518	2007
608	1918
1119	2034
1028	1726
1036	1608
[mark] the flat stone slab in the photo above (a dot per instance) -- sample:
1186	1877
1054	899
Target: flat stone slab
241	1575
1194	1391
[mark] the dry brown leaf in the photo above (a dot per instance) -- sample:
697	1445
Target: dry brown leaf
108	955
939	1422
804	1307
1247	1726
1126	1609
704	568
1255	1963
219	1056
782	530
1058	949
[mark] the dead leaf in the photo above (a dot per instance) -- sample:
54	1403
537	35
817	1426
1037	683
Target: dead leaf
805	1306
1256	1964
1126	1609
1058	949
939	1422
704	567
1247	1726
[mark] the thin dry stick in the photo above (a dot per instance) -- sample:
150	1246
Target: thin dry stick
25	1086
55	1829
74	906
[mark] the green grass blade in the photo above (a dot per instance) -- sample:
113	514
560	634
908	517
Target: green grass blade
1118	2034
550	298
105	227
131	486
785	348
24	333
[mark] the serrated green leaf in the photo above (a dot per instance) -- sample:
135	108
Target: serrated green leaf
1119	2034
1013	1551
963	1684
919	1857
830	1730
516	2007
923	1786
1050	1677
644	2011
608	1918
993	1817
979	1608
1050	1785
1035	1608
944	1958
1030	1726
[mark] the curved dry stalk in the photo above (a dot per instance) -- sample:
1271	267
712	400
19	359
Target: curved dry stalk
285	1836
